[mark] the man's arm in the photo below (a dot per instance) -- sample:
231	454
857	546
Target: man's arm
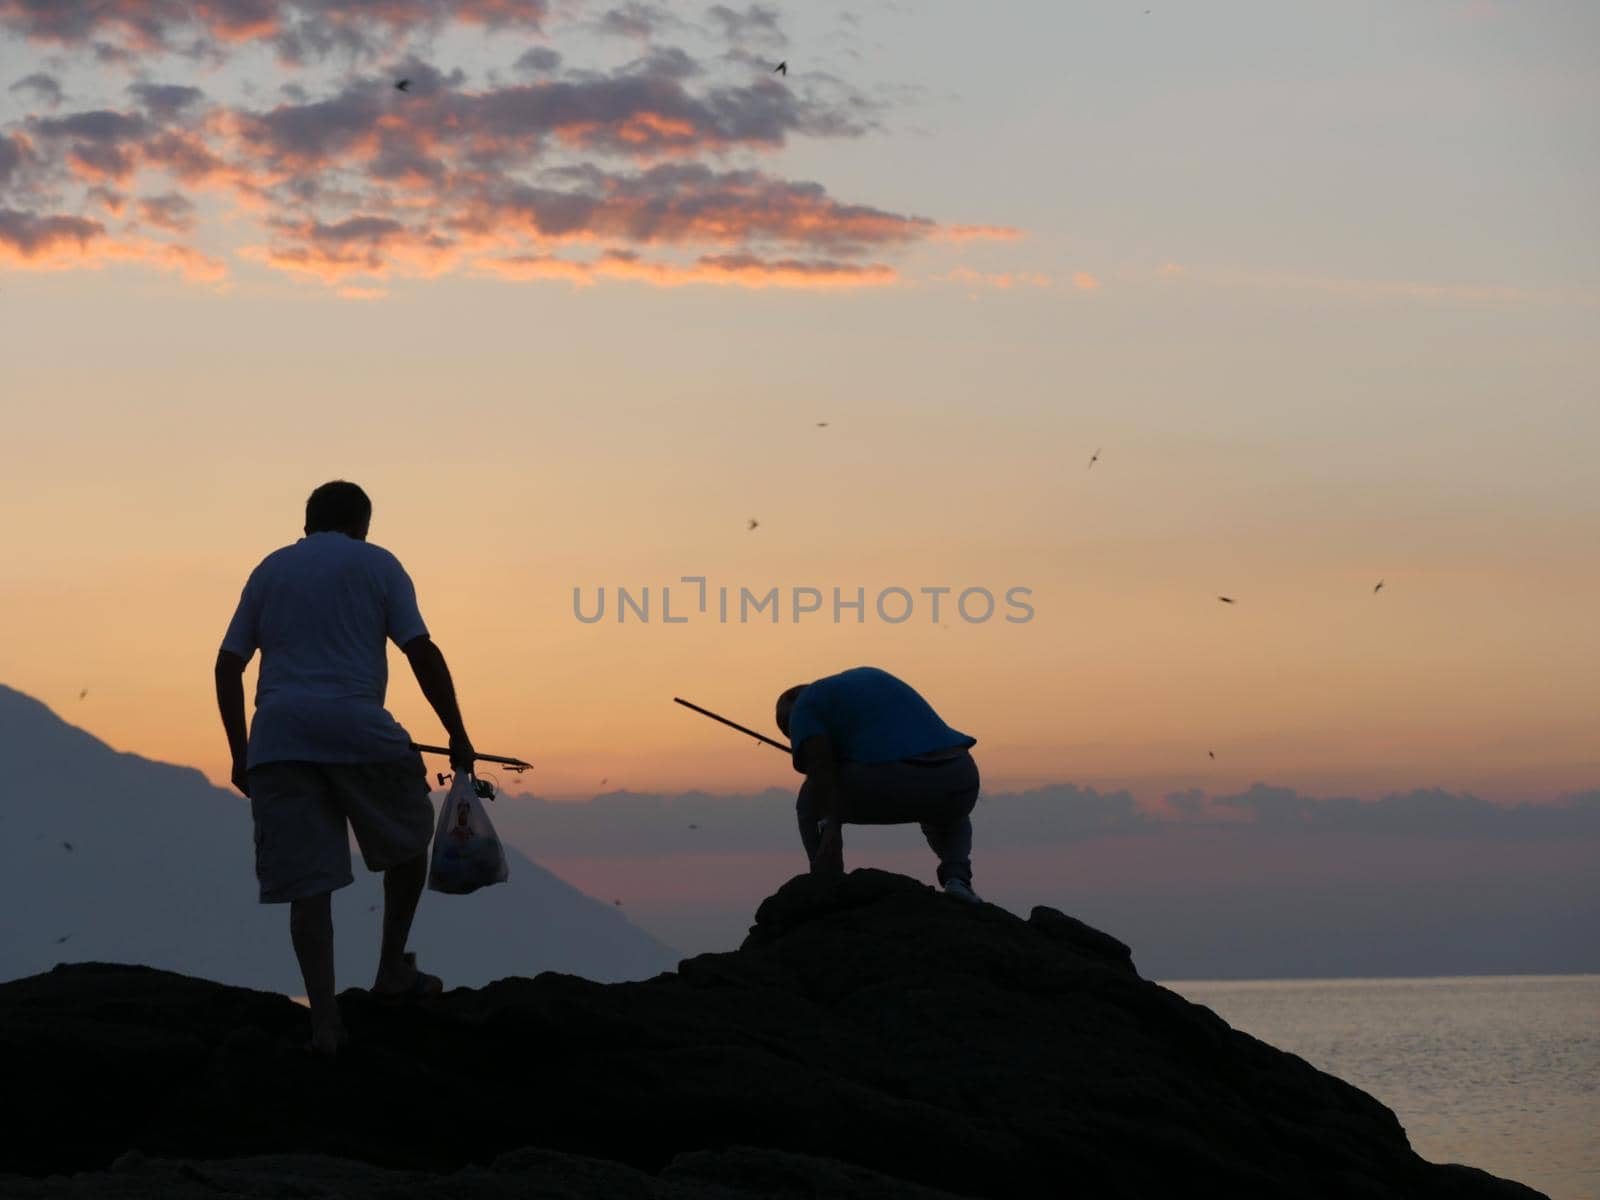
816	760
230	703
433	677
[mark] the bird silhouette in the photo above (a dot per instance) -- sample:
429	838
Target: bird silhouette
402	85
85	691
372	908
753	524
1211	753
782	68
603	781
68	845
1379	588
694	827
1093	458
822	424
618	903
62	938
1226	599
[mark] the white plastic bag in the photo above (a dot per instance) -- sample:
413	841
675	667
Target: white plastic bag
466	853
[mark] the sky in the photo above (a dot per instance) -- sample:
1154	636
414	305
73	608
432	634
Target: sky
1319	285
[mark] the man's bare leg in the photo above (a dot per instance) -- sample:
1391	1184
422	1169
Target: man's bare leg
402	889
311	930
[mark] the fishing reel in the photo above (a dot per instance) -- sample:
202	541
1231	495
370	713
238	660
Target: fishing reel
483	787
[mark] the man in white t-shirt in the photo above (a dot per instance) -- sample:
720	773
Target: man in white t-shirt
323	751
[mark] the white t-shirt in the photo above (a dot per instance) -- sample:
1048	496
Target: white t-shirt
319	611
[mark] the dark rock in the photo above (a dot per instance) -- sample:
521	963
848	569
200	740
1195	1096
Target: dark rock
1083	939
871	1038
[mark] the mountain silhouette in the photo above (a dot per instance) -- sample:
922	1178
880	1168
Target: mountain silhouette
160	872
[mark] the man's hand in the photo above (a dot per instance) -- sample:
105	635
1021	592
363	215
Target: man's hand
829	858
814	759
462	755
241	778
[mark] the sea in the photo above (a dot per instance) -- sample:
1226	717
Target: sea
1498	1072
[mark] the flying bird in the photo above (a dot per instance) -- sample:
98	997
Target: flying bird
1378	588
1093	458
85	691
603	781
694	827
62	938
822	424
753	524
1211	753
1226	599
782	69
402	85
618	903
68	845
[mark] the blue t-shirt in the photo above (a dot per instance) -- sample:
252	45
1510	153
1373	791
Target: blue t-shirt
871	717
319	611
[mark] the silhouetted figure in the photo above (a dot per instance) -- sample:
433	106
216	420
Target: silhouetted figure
323	755
875	753
782	68
402	85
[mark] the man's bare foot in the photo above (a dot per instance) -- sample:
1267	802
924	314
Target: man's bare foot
327	1042
403	981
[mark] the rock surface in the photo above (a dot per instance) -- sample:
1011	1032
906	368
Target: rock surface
870	1039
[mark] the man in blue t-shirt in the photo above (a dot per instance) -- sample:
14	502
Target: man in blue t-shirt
323	751
875	753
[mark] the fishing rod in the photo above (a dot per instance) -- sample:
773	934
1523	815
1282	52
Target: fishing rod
511	764
760	737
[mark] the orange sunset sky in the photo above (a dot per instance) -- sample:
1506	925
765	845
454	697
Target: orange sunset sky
1319	283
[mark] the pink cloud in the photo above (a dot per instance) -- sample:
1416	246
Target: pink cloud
1002	280
368	182
723	270
32	242
974	233
297	28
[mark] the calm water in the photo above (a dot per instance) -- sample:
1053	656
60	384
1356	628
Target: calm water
1501	1073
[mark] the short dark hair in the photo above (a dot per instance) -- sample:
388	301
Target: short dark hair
339	507
785	706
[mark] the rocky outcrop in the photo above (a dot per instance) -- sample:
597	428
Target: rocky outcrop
871	1038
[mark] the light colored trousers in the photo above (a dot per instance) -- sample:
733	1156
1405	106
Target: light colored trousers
937	796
